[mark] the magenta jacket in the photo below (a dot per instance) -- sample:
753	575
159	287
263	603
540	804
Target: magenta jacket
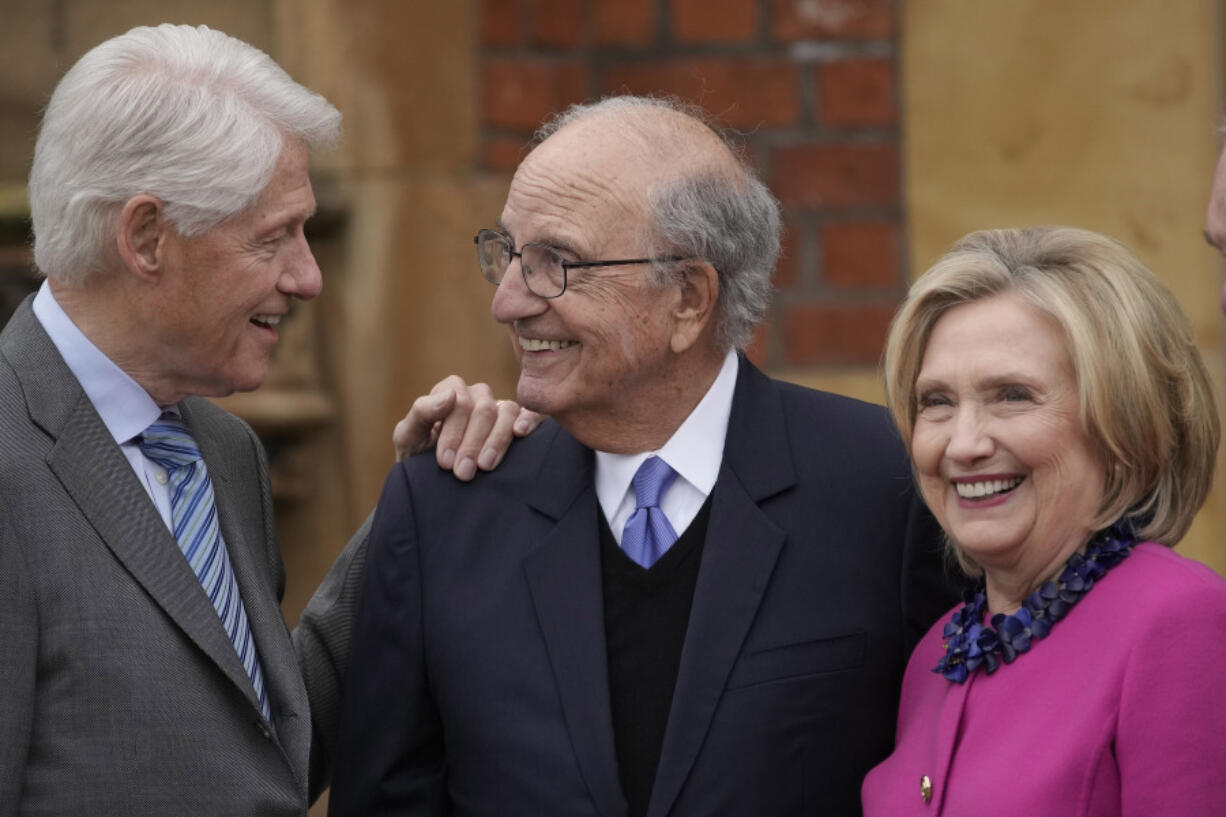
1119	712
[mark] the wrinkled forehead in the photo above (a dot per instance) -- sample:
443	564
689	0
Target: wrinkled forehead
581	190
594	177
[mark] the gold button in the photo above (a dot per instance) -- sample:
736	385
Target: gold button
926	789
161	476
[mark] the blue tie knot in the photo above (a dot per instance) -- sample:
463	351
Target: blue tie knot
651	481
167	443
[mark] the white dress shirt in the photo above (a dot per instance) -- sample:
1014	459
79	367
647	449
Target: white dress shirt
695	452
126	409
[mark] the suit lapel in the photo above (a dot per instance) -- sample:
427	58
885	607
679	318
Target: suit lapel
564	579
737	561
97	477
240	514
100	481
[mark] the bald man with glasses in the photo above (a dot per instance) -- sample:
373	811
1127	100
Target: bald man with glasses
692	591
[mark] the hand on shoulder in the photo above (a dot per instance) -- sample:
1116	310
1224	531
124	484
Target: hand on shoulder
465	424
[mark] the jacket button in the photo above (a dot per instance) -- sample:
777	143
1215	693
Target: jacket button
265	730
926	789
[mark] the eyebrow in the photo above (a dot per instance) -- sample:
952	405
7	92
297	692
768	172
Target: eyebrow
291	214
929	384
996	381
549	241
286	219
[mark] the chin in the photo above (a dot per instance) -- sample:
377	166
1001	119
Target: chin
245	381
249	385
535	395
990	548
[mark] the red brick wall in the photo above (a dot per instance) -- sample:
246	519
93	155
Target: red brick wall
813	86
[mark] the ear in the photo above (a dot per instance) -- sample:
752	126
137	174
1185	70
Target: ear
141	236
698	289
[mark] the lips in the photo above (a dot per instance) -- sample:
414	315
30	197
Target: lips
266	321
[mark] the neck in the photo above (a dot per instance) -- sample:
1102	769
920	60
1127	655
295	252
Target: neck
110	318
647	420
1008	585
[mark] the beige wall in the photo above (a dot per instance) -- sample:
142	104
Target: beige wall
1092	113
403	303
1032	111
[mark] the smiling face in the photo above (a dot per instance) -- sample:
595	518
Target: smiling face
217	307
1003	460
601	351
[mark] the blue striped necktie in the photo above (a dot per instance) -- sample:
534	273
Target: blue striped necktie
648	533
193	512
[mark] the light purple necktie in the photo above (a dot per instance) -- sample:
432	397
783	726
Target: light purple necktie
648	532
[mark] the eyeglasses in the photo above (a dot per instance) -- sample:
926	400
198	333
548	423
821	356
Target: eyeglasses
543	267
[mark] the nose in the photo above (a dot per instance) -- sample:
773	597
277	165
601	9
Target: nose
301	277
513	300
970	439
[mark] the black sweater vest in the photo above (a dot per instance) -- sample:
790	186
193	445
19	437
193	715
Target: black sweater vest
645	616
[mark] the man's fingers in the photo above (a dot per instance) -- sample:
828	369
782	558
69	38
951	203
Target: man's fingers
469	429
526	420
419	429
465	429
498	440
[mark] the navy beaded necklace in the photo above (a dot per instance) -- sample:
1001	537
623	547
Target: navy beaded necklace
970	645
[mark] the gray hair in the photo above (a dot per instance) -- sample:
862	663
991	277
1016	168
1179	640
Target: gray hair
189	115
720	212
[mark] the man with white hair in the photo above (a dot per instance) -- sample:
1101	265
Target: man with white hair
145	668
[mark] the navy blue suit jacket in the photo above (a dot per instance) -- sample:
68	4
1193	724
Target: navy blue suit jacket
478	681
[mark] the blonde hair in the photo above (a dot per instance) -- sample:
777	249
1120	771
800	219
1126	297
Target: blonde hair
1145	398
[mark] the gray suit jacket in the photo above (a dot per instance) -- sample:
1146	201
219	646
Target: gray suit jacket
120	692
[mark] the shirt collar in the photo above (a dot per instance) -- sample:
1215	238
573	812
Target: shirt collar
695	450
126	409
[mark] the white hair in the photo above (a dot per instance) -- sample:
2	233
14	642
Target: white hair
189	115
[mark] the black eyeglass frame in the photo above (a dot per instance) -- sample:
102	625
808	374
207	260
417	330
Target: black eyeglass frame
566	265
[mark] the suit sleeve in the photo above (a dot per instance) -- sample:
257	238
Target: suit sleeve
390	758
929	586
18	667
321	642
1171	734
